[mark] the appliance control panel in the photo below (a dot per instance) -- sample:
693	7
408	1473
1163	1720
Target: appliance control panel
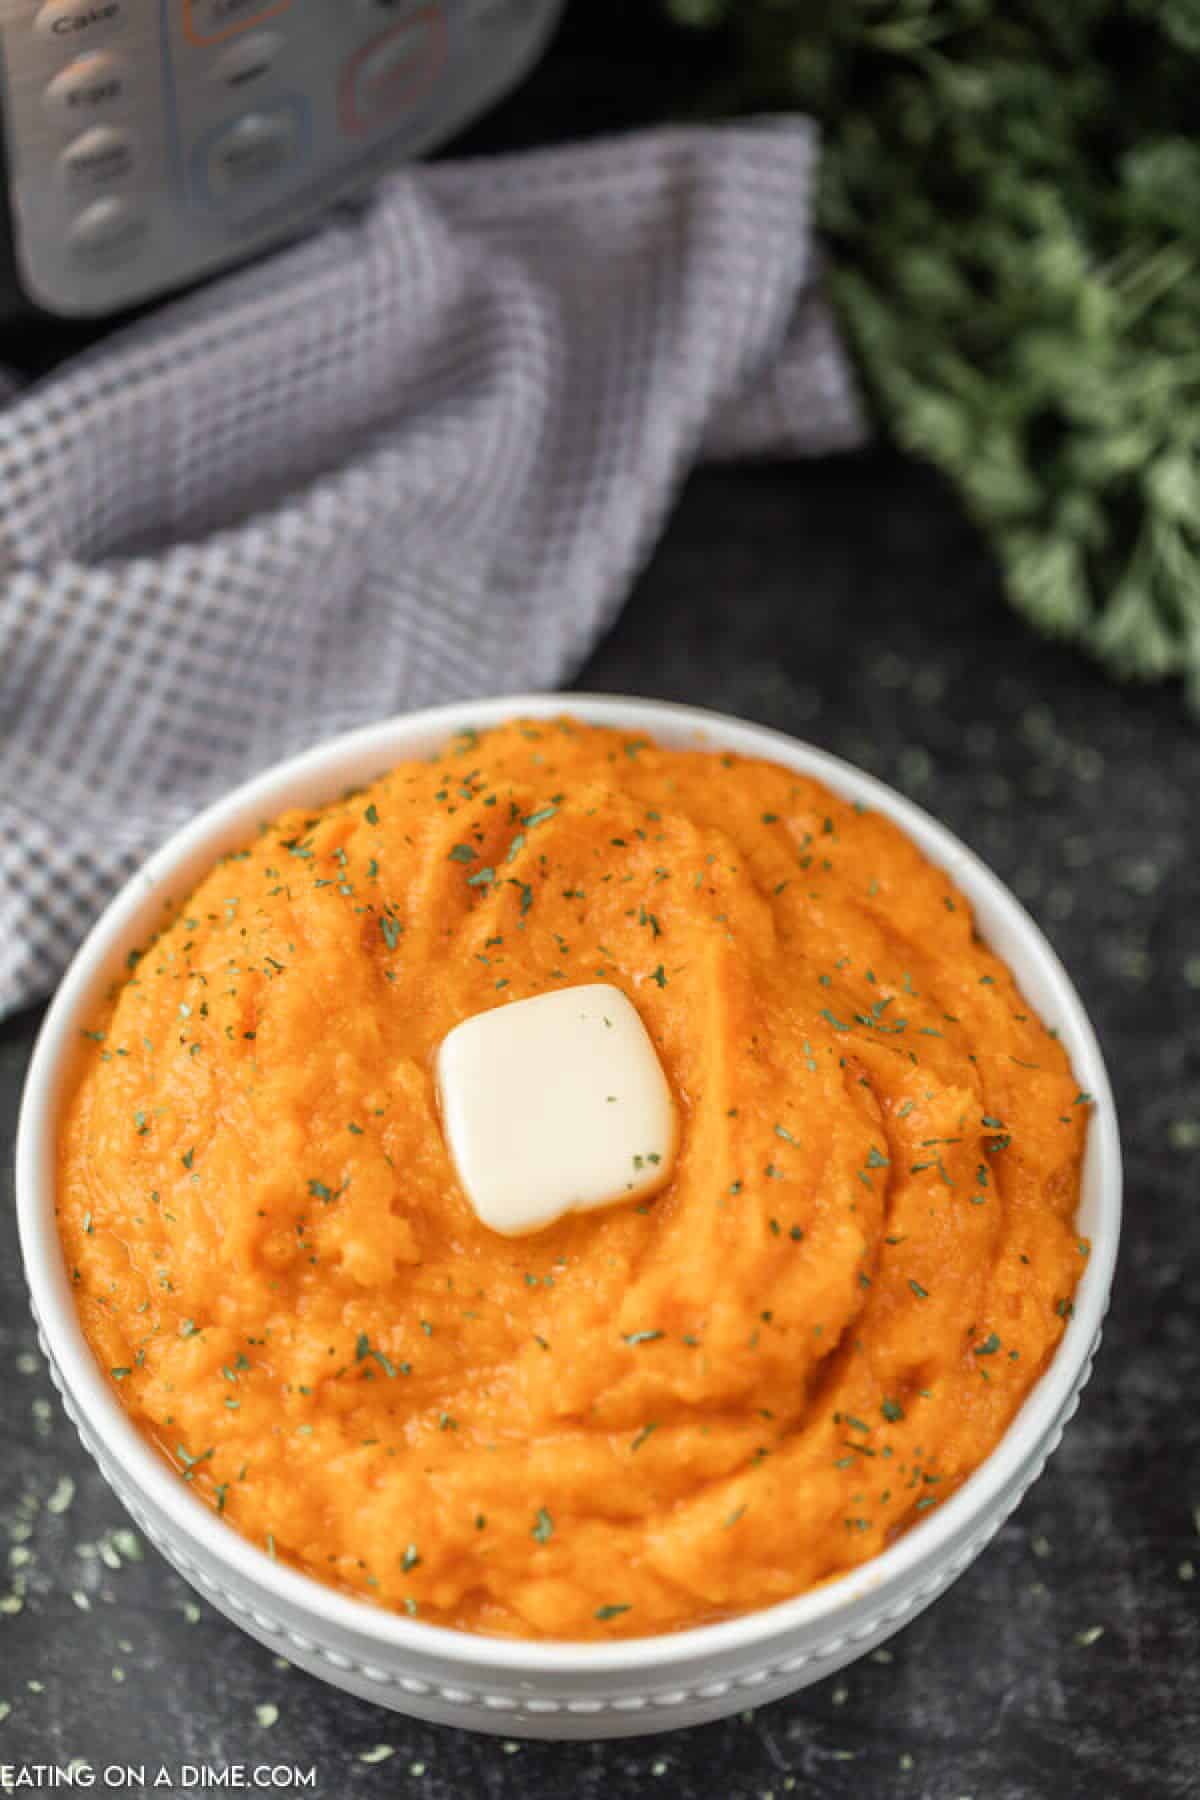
150	142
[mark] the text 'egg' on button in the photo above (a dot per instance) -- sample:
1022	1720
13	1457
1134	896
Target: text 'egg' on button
88	88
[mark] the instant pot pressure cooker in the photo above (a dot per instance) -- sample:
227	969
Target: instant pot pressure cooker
148	143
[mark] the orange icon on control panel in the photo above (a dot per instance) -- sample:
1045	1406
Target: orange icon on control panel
393	69
208	22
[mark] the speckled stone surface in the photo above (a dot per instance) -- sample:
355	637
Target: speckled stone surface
846	602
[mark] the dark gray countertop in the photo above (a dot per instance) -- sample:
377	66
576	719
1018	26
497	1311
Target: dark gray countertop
846	602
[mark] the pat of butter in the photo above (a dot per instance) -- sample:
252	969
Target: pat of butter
554	1105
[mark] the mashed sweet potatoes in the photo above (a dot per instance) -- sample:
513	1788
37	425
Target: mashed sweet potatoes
642	1418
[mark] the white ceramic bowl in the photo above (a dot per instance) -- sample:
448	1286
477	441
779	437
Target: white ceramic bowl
554	1690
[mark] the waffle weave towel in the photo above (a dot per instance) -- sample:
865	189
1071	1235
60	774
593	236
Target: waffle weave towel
418	457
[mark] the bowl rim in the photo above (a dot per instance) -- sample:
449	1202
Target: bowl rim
414	734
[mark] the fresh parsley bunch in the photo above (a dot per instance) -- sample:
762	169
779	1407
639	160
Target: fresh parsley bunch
1011	198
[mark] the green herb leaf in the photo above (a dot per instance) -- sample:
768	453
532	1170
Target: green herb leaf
543	1528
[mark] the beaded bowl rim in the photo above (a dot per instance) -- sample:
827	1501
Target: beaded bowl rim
321	773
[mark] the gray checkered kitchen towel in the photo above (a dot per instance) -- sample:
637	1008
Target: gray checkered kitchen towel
418	457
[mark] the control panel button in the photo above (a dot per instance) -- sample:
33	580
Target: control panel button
88	88
212	21
108	227
252	151
102	158
394	70
247	60
76	25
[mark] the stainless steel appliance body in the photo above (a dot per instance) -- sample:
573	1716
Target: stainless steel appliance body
148	143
